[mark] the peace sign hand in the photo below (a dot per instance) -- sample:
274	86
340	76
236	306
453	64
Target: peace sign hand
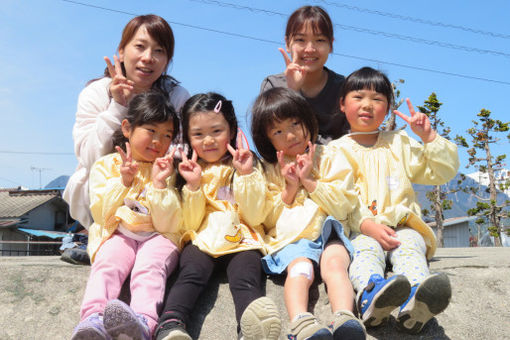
305	162
294	73
121	88
242	158
419	123
129	167
191	171
162	168
288	170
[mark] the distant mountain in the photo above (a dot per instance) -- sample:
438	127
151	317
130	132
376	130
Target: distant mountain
58	183
462	201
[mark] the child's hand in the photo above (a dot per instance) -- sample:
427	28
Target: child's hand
383	234
242	159
129	167
304	164
191	171
121	88
289	172
294	72
162	168
419	123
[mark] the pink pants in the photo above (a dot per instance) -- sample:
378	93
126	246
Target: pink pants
149	262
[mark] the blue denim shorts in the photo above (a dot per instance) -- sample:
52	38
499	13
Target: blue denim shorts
276	263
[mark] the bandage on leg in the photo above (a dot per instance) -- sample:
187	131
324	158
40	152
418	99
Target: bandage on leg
302	268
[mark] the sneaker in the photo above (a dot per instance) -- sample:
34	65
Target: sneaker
91	328
121	321
306	327
173	329
380	297
347	326
427	299
75	256
261	320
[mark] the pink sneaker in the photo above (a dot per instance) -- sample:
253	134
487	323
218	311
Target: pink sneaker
120	319
91	328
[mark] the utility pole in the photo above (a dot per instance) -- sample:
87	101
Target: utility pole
40	170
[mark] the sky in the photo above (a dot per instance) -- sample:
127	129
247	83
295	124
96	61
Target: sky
50	48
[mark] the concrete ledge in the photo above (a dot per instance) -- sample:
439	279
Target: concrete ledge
41	296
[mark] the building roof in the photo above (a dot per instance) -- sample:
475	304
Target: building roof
16	203
453	221
45	233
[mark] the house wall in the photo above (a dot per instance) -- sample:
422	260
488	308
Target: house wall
456	235
42	217
12	249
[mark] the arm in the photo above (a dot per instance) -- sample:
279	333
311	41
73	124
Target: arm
335	191
383	234
107	192
250	195
193	208
97	118
165	208
433	163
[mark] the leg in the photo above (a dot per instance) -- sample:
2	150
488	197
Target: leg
430	294
195	269
409	259
334	272
368	259
334	266
377	297
112	265
257	316
156	258
297	285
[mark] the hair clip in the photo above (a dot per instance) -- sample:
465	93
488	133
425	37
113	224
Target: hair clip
217	108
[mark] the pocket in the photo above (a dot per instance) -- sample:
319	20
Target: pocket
222	232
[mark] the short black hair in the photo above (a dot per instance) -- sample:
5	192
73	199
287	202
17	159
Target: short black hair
278	104
368	78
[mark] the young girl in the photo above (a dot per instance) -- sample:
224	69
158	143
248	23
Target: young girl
385	165
306	184
137	217
223	203
145	51
309	40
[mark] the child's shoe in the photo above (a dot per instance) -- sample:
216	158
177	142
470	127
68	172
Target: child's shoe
380	297
306	327
122	322
261	320
427	299
91	328
173	329
347	326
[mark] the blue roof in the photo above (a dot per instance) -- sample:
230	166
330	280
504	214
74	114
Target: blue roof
47	233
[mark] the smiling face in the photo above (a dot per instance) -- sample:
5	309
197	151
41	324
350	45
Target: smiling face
309	49
144	59
209	133
148	141
289	136
364	109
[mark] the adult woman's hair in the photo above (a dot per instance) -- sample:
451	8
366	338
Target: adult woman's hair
316	17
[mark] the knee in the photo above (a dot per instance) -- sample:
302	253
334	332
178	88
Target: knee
301	268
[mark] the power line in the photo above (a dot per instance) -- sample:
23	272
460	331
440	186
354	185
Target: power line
366	30
414	19
278	43
37	153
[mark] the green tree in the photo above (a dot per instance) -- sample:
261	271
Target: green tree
438	196
482	136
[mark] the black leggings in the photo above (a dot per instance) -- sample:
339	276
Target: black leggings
244	273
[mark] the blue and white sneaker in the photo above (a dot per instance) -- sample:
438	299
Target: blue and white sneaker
380	297
427	299
121	322
91	328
